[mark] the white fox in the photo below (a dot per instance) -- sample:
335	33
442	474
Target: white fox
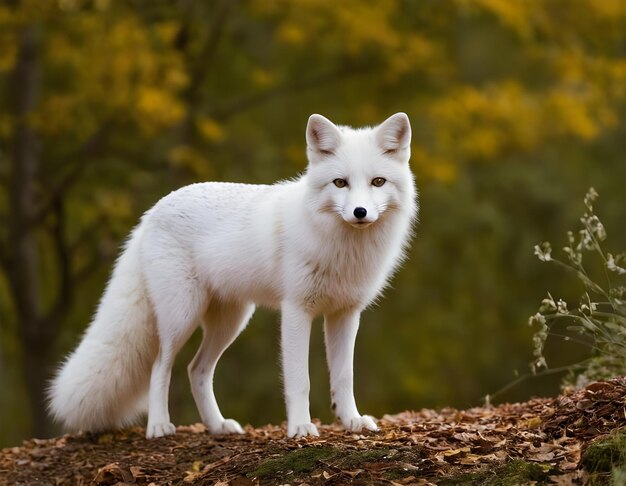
323	244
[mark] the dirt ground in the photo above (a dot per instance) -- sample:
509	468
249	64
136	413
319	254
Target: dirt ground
537	442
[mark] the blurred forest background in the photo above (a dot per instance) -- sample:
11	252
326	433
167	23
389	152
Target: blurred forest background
106	106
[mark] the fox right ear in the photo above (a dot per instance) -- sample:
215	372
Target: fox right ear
322	136
394	134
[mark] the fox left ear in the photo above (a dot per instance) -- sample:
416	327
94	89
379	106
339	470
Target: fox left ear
394	134
322	136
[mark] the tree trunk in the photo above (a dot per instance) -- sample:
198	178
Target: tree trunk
23	247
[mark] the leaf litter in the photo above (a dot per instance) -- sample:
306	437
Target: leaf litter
415	447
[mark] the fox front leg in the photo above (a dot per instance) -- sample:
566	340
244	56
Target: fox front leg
295	336
340	335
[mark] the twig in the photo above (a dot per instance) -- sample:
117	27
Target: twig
524	377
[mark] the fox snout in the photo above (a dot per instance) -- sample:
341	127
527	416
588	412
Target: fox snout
359	217
359	212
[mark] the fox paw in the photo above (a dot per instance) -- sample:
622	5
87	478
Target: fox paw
358	423
160	430
228	426
302	430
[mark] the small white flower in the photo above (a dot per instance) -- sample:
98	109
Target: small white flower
576	257
561	307
544	251
590	197
612	265
537	318
586	240
597	228
547	305
540	362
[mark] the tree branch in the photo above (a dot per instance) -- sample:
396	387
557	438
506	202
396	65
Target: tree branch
98	257
88	231
91	267
5	261
199	71
91	146
246	102
22	242
200	68
63	299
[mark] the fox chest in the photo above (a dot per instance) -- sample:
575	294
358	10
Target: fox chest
328	286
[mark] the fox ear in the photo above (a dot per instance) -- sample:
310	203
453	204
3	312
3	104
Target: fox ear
322	136
394	134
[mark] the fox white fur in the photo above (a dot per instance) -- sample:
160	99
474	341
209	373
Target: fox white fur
207	254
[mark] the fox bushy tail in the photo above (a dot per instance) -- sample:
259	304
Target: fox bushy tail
104	383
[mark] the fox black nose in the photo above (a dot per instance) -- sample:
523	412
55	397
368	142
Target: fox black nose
360	212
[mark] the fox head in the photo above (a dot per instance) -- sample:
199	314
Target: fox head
360	174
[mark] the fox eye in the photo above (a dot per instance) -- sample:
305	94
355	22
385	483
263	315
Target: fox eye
340	183
378	181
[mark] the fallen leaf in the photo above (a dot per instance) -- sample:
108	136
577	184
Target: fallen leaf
113	472
354	473
530	423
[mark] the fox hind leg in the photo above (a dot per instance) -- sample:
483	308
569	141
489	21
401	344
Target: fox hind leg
178	306
222	324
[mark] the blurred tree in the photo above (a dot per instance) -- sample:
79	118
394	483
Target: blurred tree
516	108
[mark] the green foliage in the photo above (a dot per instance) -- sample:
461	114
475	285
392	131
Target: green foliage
600	317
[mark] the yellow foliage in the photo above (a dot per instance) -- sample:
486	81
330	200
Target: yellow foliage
482	123
366	24
572	114
7	53
112	65
35	11
116	205
352	25
187	158
6	126
8	49
262	78
108	60
7	17
517	14
54	115
157	109
210	129
607	9
414	50
433	167
291	33
167	30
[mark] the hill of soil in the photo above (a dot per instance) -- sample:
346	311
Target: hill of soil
542	441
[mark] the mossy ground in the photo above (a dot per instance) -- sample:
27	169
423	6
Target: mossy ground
311	460
299	461
605	459
514	473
